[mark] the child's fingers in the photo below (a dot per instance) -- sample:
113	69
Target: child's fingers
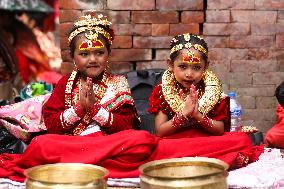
193	92
89	86
83	92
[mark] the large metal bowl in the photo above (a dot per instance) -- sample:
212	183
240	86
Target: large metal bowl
66	176
186	173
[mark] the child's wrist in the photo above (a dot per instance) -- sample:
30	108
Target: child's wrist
197	116
179	120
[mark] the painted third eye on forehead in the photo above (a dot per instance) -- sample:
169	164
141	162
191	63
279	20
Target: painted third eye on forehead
91	44
190	58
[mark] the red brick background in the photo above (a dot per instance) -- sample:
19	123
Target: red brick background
245	38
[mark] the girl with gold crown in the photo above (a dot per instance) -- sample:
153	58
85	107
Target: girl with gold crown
90	113
189	95
90	100
189	105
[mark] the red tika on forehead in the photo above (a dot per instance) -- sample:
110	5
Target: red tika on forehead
91	45
190	59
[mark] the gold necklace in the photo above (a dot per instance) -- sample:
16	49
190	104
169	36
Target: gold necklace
206	103
99	88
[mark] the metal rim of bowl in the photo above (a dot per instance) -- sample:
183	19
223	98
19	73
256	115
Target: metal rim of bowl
223	166
36	168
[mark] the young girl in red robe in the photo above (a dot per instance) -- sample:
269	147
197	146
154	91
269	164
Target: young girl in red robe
90	100
90	115
190	107
84	108
190	96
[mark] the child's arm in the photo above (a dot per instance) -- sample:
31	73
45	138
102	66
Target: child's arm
211	125
164	126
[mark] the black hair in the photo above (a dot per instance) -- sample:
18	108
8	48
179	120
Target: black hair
194	39
38	17
105	40
279	93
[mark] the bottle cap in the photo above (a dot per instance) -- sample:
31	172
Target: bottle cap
232	94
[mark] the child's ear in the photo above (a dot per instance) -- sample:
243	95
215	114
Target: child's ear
170	64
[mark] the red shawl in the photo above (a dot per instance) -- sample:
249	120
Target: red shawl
123	152
275	136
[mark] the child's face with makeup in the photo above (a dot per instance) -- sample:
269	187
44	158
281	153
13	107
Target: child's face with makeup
90	56
188	67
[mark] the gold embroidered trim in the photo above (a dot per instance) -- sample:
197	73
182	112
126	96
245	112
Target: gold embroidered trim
206	103
68	89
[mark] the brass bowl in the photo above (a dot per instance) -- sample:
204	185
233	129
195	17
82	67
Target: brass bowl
66	176
186	173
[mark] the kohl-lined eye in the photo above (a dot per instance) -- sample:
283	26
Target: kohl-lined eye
196	68
83	54
183	66
100	53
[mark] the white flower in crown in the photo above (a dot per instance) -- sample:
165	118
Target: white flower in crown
186	37
188	45
88	16
174	40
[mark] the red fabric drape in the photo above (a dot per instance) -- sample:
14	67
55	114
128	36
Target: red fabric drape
275	136
123	152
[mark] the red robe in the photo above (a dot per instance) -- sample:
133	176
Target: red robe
123	113
275	136
233	147
121	152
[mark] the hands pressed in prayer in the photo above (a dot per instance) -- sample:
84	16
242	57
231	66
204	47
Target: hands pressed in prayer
87	97
191	103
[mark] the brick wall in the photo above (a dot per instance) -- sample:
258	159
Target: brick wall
245	38
246	50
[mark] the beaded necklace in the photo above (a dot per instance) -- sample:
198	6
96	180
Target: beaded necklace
174	94
100	89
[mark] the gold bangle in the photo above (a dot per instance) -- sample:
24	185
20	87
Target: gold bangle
179	120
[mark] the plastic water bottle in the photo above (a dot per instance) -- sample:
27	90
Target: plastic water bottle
236	112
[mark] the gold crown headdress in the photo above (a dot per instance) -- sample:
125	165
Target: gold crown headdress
187	45
92	27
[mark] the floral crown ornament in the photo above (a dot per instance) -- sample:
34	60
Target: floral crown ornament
187	45
190	58
91	45
92	26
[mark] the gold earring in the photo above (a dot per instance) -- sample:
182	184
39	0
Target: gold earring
107	66
74	66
